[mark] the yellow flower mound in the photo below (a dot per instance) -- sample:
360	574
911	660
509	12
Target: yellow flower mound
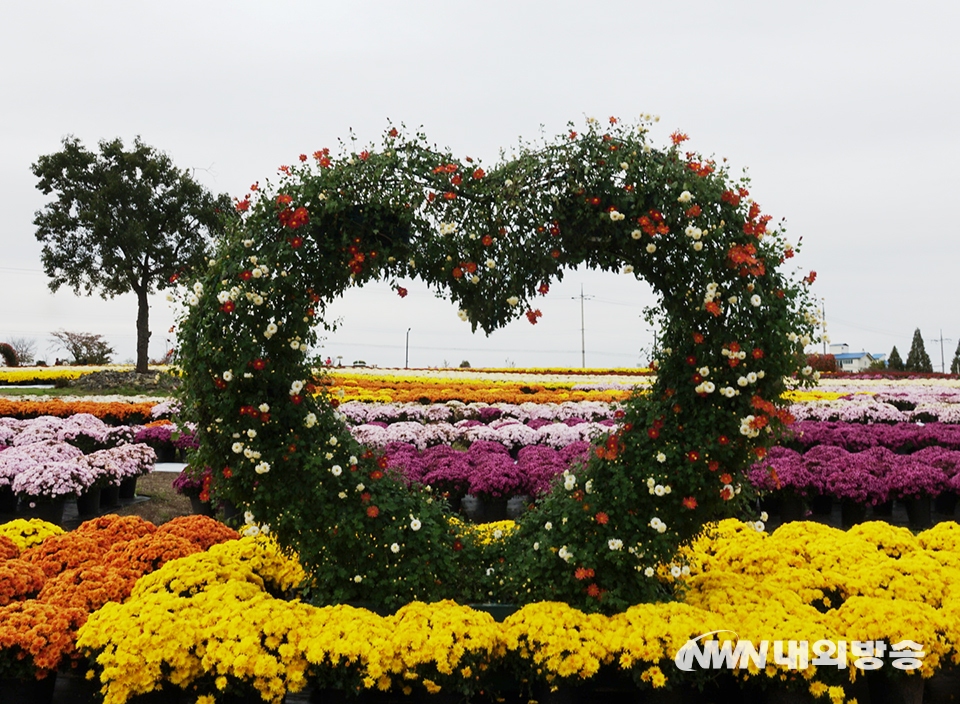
557	639
27	533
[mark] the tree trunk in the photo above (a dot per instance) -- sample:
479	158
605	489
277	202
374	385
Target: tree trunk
143	330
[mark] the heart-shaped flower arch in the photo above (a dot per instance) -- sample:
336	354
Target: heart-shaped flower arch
734	328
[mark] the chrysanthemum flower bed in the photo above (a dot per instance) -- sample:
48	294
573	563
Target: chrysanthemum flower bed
227	620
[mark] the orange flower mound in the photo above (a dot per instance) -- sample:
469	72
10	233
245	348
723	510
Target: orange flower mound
202	531
8	548
148	553
19	580
112	529
88	588
42	633
64	552
113	411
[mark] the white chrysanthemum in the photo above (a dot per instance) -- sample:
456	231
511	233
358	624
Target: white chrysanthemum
733	300
615	544
659	490
513	300
223	296
415	524
675	572
651	248
648	572
548	526
462	314
448	228
636	234
564	554
709	387
742	381
336	470
310	420
192	300
264	408
358	579
237	447
616	216
491	264
569	482
697	246
262	468
752	377
270	331
661	457
296	387
333	441
395	548
228	375
628	269
755	300
588	487
251	433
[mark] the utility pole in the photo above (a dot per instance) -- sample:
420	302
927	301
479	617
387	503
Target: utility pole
941	340
823	324
583	338
406	355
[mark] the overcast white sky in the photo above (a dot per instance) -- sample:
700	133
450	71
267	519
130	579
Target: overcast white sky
845	114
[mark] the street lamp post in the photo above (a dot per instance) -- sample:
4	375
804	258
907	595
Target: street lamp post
406	356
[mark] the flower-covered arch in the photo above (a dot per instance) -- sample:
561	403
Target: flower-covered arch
492	239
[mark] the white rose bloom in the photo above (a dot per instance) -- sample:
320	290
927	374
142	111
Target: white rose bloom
685	197
415	525
394	548
636	234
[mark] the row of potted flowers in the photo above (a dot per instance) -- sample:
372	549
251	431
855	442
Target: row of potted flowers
49	471
872	476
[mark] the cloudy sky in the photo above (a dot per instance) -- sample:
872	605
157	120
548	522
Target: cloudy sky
844	113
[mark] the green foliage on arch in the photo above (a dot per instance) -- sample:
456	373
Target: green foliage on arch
492	239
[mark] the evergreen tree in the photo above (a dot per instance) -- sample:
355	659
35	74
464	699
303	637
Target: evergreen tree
955	364
895	362
918	360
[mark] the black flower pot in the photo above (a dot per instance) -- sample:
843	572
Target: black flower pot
884	510
110	496
28	691
792	508
128	487
821	505
945	503
851	513
918	511
88	503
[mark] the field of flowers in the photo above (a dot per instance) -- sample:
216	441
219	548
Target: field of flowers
193	607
